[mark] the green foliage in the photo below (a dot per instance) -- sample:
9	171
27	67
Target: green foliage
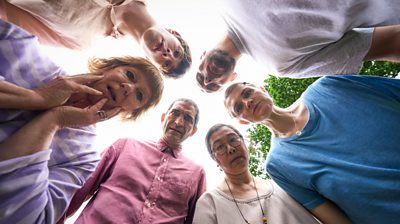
380	68
284	92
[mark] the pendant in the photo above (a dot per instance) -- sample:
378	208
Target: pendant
298	132
264	220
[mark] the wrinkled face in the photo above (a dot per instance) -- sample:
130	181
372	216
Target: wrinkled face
124	87
249	103
229	150
163	48
179	123
215	70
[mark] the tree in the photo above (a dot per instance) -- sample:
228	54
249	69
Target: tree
284	92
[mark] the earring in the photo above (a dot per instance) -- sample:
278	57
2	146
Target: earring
220	169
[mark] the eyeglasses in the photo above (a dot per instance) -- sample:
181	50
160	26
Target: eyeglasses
220	146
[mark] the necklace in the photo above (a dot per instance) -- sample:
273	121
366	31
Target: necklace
263	219
298	132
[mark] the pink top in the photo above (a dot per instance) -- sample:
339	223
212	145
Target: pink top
137	183
68	23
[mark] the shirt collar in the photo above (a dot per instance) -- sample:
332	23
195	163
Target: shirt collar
162	145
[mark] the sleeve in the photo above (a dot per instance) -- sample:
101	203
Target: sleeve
344	56
205	210
38	188
305	196
99	176
201	188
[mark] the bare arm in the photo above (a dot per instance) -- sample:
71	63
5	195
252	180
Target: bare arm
385	44
38	134
49	95
329	213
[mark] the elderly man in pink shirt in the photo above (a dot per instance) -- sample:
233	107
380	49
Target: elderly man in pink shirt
146	181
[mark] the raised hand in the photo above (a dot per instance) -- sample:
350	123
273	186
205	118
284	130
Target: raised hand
69	116
59	90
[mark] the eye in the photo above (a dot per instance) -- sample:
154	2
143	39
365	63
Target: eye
199	77
188	118
238	108
175	113
131	76
139	96
247	93
213	87
177	53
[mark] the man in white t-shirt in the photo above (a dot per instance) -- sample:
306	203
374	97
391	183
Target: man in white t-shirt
302	38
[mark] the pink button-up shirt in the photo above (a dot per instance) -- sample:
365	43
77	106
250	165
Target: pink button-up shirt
135	182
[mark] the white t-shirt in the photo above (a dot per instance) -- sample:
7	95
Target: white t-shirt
217	207
304	38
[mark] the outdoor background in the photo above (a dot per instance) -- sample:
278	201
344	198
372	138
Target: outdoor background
200	24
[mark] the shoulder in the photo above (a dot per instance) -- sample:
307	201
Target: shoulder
209	198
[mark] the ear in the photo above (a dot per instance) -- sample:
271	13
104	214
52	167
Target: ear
233	76
193	131
263	89
243	122
203	55
162	117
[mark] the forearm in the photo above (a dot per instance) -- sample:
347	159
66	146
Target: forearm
329	213
31	138
16	97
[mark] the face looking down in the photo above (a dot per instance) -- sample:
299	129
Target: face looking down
229	150
215	70
124	87
248	103
179	123
163	48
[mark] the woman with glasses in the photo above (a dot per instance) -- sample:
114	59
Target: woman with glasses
241	197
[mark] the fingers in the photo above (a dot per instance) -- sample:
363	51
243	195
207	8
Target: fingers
98	105
86	78
86	89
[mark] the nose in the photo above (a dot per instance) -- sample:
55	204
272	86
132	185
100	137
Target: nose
179	121
249	103
207	79
127	88
231	149
167	53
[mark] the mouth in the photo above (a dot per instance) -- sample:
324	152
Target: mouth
176	130
256	107
159	45
111	93
237	158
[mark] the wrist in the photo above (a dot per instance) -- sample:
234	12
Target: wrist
53	118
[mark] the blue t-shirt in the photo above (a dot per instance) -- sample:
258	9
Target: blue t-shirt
349	151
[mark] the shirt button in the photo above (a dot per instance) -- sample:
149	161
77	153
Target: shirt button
164	160
148	205
158	178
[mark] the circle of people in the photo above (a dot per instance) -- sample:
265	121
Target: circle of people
334	154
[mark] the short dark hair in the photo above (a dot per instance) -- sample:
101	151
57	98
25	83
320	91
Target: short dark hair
186	62
196	108
215	128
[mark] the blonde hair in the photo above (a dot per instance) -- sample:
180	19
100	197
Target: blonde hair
152	74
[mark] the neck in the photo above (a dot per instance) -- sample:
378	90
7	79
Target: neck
172	145
240	179
226	44
285	122
134	20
